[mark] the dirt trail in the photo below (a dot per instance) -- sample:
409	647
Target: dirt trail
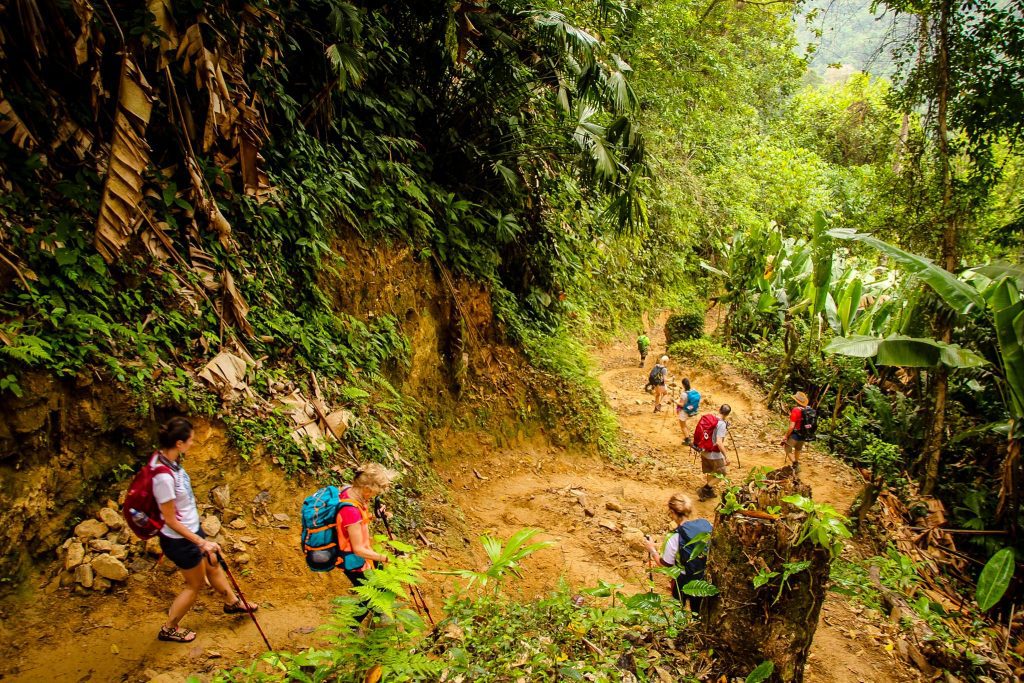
543	487
51	635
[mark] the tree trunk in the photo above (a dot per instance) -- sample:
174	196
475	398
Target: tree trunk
745	625
936	433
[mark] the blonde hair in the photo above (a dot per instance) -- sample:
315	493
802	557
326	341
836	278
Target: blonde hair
681	505
373	474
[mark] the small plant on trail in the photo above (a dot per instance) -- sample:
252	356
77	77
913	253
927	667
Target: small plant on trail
503	558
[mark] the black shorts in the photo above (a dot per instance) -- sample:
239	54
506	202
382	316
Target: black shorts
182	552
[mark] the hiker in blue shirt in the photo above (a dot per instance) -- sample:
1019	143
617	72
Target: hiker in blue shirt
681	550
687	406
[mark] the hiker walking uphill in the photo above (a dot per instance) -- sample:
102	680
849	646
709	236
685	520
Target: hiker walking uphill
336	525
680	550
803	426
686	407
657	379
709	439
182	540
643	345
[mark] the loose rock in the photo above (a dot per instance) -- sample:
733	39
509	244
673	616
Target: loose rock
91	528
153	546
84	575
281	517
211	525
100	545
101	584
111	518
221	496
110	567
242	558
75	556
613	505
608	524
238	523
119	551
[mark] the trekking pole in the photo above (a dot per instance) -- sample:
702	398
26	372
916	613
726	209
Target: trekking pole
416	593
736	450
647	559
248	607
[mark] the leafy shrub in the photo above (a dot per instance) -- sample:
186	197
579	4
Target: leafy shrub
688	324
702	353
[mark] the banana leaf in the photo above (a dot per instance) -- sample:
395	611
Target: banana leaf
960	296
848	305
908	352
1008	312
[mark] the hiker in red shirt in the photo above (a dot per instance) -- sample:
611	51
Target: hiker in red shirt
802	426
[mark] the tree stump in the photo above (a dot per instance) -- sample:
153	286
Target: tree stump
776	621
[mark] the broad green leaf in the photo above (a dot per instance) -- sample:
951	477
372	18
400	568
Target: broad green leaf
995	578
955	292
699	588
762	672
908	352
1008	314
857	346
849	304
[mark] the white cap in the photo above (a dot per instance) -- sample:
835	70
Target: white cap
664	358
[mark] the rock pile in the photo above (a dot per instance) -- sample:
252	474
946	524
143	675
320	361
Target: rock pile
103	552
94	557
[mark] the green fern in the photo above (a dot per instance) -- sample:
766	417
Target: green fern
503	558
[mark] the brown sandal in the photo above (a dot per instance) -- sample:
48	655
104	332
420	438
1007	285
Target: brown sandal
239	607
176	635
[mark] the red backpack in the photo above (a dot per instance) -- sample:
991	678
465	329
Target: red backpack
702	436
140	509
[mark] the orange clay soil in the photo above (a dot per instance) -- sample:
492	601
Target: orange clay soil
50	634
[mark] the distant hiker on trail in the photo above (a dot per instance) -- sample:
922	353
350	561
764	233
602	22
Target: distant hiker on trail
643	344
181	538
657	379
709	439
680	551
803	426
336	525
686	407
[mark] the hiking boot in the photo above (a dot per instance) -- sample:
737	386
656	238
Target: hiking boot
705	492
687	441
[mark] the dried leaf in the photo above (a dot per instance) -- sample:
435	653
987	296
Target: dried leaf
9	121
162	18
119	215
204	264
84	11
234	306
78	140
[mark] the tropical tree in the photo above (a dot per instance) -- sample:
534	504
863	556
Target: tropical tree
998	289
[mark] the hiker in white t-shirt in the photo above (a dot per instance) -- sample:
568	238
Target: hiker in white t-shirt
181	537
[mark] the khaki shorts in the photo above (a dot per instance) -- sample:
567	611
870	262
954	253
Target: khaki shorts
797	444
712	463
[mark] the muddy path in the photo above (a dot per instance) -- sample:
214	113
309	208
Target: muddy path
539	486
585	504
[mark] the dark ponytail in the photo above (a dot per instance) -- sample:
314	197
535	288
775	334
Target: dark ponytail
176	429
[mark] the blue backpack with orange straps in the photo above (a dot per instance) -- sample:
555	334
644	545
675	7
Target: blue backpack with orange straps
323	549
